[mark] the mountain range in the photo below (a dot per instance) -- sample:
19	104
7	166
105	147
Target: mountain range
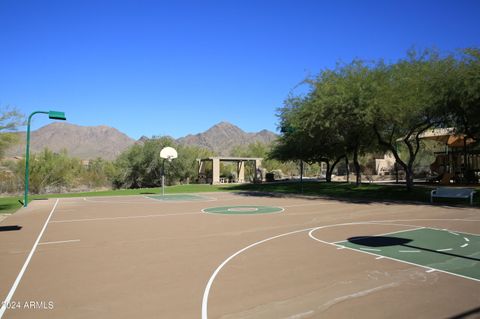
88	142
223	137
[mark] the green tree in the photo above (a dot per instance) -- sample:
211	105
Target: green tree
461	88
406	104
50	171
129	168
258	149
98	173
10	120
352	106
308	133
343	97
185	167
141	165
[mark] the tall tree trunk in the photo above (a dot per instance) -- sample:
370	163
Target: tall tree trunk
358	173
347	169
409	177
330	168
328	174
412	150
465	160
301	175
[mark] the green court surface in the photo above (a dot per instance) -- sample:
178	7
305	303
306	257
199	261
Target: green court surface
438	249
243	210
179	197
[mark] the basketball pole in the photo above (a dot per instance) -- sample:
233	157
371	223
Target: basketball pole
166	153
54	115
163	178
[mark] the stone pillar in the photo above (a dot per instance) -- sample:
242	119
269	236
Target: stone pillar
241	172
258	164
202	177
201	167
215	170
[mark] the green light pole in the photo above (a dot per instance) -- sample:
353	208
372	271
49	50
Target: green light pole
54	115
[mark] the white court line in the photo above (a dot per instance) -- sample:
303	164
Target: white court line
59	242
413	264
436	219
119	201
370	249
124	199
380	257
464	232
384	234
390	258
226	261
337	243
415	251
200	198
311	204
431	270
111	196
121	217
233	198
282	209
149	198
7	300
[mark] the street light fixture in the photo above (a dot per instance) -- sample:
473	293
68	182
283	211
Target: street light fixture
54	115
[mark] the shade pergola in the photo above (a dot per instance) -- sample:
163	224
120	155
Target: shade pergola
216	166
447	136
458	162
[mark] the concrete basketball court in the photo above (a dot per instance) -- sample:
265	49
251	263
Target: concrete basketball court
238	255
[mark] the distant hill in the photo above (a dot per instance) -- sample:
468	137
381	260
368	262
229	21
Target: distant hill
85	142
223	137
89	142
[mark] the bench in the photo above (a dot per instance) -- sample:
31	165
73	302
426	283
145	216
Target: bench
451	192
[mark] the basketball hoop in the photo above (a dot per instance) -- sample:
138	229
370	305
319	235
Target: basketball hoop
167	153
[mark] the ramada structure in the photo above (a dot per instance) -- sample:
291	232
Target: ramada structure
459	162
215	178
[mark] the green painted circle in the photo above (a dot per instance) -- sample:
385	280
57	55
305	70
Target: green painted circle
179	198
243	210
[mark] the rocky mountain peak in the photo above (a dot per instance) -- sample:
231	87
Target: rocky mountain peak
88	142
224	136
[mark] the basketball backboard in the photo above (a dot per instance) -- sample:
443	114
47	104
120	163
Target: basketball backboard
168	153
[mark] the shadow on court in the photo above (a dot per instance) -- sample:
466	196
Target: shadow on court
10	228
385	241
346	192
379	241
473	313
309	196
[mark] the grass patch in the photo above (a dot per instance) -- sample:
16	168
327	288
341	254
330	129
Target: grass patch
342	191
9	205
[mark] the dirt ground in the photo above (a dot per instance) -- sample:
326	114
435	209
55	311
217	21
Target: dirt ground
139	257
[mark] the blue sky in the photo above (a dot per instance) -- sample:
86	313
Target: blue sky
178	67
